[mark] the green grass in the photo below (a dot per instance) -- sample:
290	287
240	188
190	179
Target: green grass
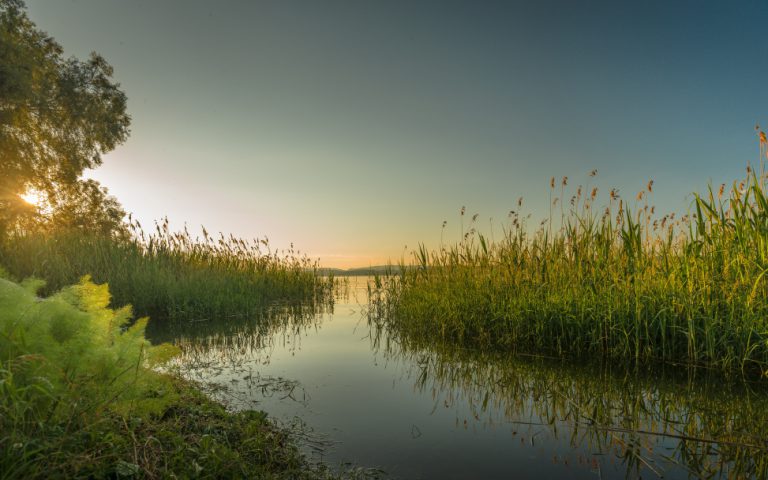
81	397
191	437
170	275
615	282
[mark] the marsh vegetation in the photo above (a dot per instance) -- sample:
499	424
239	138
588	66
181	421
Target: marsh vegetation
418	407
612	280
607	341
170	275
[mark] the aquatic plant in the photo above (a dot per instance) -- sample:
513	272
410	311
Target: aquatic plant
617	281
171	275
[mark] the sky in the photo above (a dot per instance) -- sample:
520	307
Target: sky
355	128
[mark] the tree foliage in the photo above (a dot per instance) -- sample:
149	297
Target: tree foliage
58	116
84	206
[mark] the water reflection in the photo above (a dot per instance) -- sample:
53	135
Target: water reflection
656	421
422	410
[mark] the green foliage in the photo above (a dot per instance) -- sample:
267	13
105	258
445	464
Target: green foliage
57	117
78	345
68	361
79	399
84	207
170	274
607	284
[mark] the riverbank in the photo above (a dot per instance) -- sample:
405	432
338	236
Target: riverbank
81	397
418	408
193	437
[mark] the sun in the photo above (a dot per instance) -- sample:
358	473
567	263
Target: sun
32	197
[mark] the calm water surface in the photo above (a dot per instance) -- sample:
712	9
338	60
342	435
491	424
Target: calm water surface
432	411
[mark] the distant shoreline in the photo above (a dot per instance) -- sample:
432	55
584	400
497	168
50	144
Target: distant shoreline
361	271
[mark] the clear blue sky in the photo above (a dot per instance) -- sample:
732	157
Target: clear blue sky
353	128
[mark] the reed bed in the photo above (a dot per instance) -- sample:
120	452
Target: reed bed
171	275
611	280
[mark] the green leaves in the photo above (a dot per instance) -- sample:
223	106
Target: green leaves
81	346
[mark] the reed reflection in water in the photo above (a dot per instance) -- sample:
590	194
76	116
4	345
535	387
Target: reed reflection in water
424	410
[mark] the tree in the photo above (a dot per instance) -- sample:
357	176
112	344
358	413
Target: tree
87	207
58	116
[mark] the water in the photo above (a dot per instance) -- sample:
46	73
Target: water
430	411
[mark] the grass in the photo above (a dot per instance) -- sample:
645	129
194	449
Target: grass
170	275
192	437
616	282
81	397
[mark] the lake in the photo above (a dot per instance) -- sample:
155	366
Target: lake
356	394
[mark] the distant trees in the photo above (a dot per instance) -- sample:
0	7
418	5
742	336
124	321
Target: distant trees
58	116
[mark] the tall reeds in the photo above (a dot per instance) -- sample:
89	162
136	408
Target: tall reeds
617	281
169	274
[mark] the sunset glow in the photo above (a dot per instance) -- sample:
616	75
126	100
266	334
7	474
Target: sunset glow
383	239
402	123
33	197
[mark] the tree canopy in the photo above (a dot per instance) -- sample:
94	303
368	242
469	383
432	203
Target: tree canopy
58	116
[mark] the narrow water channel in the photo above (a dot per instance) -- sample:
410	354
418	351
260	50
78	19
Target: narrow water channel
429	411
